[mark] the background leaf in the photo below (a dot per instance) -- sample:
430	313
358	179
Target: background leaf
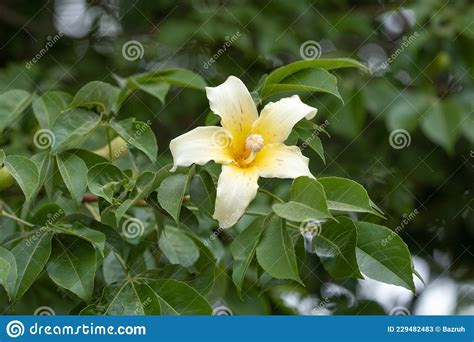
243	250
74	173
96	95
8	271
336	244
72	266
177	247
25	172
137	134
276	251
12	104
72	128
383	256
49	106
31	256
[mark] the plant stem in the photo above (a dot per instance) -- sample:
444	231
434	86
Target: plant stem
255	213
272	195
17	219
107	129
248	212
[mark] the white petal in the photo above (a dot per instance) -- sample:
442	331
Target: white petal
236	188
277	119
281	161
232	102
201	145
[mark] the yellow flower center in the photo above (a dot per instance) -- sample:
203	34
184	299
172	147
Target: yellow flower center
253	144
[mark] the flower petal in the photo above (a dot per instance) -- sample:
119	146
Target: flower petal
201	145
236	188
278	118
233	103
281	161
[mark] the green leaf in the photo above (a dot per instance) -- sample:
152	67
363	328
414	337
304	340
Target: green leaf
112	269
72	127
91	159
311	139
382	255
72	266
104	180
346	195
12	104
47	214
44	164
178	247
8	271
405	111
31	255
131	298
307	202
336	244
156	89
292	138
205	267
243	250
95	237
138	134
98	96
313	80
171	193
25	172
327	64
178	298
203	192
276	251
143	186
176	77
74	173
441	124
49	106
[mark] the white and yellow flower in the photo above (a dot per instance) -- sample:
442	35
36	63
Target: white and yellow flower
247	145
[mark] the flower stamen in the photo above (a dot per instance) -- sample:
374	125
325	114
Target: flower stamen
254	144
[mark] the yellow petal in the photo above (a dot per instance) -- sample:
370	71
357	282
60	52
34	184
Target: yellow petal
236	188
281	161
278	118
201	145
232	102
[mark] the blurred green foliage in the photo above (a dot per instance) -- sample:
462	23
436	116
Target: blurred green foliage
426	89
